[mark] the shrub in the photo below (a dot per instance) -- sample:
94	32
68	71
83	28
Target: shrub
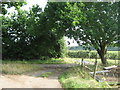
92	54
113	55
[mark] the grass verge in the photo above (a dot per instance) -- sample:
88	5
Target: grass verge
14	69
77	78
49	61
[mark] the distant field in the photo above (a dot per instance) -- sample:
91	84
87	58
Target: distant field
81	48
92	54
93	51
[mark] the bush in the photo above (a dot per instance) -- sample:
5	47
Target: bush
78	54
92	54
113	55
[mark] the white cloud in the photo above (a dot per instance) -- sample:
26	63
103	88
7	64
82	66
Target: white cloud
30	3
72	42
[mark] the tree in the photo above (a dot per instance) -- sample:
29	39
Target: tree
15	38
27	36
17	4
48	39
100	29
92	24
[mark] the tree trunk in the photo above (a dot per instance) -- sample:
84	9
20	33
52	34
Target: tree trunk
103	59
102	53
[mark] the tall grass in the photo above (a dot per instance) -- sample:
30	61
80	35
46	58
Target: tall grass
18	68
23	66
77	78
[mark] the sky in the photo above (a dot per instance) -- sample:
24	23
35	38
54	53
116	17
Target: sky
42	4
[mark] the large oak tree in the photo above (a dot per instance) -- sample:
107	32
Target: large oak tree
92	24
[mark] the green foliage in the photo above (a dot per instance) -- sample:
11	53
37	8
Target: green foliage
91	48
84	54
26	35
113	55
75	78
93	23
17	4
99	28
47	74
47	61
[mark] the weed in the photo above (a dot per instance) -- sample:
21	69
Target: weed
47	74
77	78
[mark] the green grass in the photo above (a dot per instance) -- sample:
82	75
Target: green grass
14	69
113	82
100	65
47	74
19	67
23	66
110	61
76	78
49	61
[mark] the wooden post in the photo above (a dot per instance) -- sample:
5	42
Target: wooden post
89	56
94	74
82	63
115	61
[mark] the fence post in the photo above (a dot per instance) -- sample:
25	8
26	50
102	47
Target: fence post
82	63
94	74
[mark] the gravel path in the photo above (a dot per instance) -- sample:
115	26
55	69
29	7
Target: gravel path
32	80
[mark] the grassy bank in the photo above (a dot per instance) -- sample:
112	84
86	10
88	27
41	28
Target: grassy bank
14	69
77	78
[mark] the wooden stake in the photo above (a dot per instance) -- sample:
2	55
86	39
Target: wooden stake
82	63
94	74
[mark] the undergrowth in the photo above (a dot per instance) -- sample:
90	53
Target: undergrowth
77	78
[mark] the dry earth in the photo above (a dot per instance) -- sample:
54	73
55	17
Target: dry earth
31	80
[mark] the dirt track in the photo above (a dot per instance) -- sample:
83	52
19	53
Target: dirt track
24	81
31	80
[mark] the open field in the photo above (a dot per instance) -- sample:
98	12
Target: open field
92	54
94	51
78	60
